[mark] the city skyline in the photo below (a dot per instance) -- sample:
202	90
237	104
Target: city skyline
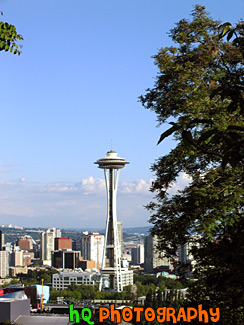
73	89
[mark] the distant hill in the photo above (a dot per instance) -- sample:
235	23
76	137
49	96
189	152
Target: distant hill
138	230
11	234
132	230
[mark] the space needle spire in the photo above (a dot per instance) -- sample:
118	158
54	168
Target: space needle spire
111	263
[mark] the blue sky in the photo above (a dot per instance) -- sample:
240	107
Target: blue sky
84	63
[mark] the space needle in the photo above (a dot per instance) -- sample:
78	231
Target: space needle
111	276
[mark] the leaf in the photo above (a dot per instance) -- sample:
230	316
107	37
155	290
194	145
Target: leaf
235	127
236	41
206	135
217	137
216	91
168	132
232	107
225	28
234	135
187	137
199	120
230	34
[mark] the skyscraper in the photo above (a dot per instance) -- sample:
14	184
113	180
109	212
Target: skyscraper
24	243
1	240
4	264
120	234
65	259
62	243
92	248
111	262
137	254
47	245
78	243
152	258
16	258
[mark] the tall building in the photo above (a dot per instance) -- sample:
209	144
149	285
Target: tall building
16	258
25	243
92	248
152	258
86	265
57	232
78	243
183	253
7	247
27	258
1	240
111	272
137	255
65	259
120	234
62	243
4	264
47	245
185	256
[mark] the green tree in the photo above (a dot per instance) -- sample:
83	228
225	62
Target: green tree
149	298
13	282
159	302
9	38
35	277
199	91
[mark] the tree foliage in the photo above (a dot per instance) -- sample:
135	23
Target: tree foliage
36	277
199	91
9	38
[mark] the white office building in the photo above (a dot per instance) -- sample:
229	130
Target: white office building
47	245
92	248
109	273
137	255
4	264
63	280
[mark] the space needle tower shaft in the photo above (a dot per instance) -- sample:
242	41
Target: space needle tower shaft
111	262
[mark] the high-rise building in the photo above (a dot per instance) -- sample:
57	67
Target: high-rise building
57	232
111	271
1	240
84	264
62	243
137	255
78	243
25	243
4	264
27	258
16	258
120	234
65	259
152	258
7	247
185	256
47	245
92	248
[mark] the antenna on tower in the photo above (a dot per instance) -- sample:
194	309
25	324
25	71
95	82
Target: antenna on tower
111	145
